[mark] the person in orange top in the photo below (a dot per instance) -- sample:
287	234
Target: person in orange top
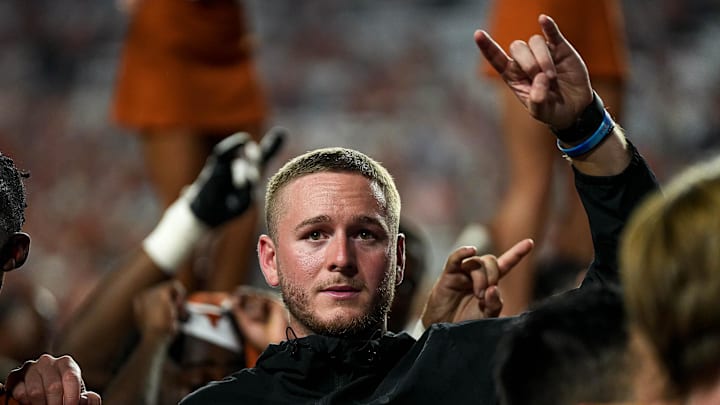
186	80
596	29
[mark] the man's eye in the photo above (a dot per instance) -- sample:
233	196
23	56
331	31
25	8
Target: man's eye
365	235
314	235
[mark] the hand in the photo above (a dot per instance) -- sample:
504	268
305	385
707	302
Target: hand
223	190
467	288
261	317
52	381
159	309
546	74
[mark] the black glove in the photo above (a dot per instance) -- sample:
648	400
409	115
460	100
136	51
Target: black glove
224	188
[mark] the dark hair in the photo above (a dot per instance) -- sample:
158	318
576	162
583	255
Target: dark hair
569	348
12	196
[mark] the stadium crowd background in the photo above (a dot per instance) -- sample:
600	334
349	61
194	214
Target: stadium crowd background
396	80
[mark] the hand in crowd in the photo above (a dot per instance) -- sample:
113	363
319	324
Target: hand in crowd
158	310
223	190
545	73
261	317
50	380
467	288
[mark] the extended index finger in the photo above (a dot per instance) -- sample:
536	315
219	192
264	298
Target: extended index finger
493	52
512	256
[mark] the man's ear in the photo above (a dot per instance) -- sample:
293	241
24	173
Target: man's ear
400	265
15	251
268	260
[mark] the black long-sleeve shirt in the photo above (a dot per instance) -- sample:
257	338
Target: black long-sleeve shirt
450	363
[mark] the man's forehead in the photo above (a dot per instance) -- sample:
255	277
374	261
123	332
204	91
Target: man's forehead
307	182
316	191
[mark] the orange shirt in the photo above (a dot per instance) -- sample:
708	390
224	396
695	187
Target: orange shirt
595	28
188	64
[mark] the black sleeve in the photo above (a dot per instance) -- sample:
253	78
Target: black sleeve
608	202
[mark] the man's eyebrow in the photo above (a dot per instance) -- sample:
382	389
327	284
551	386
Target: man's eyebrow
364	219
320	219
323	219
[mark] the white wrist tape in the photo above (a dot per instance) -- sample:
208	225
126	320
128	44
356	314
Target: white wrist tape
174	237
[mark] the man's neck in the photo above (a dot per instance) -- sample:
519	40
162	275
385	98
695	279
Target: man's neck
299	330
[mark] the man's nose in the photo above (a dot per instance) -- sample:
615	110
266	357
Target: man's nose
341	254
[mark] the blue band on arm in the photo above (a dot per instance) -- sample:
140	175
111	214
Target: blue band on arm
605	128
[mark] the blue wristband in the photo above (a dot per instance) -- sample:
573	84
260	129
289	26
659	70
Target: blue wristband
605	128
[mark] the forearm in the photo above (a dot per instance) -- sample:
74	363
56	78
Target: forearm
609	200
106	321
138	381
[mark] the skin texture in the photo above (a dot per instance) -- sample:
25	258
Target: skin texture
335	260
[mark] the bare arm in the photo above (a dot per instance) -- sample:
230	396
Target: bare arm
222	191
105	322
157	313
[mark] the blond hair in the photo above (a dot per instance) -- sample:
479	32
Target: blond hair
670	261
332	160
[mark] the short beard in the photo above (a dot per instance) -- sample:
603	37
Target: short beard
297	303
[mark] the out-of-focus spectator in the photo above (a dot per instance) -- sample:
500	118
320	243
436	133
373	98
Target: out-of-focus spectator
27	313
186	80
47	379
669	260
138	311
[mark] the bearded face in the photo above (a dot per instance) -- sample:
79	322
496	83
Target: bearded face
335	258
300	306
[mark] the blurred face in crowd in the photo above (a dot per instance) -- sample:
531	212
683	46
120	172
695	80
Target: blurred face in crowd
335	254
195	364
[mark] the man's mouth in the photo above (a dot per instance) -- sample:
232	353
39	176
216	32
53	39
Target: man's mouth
341	291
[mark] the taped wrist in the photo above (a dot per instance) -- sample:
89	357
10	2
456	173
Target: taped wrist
174	237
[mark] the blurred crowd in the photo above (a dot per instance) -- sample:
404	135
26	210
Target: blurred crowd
395	80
